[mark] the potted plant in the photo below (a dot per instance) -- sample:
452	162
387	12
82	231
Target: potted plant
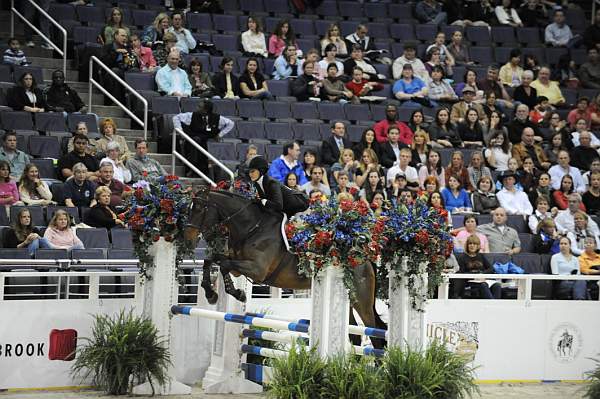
124	350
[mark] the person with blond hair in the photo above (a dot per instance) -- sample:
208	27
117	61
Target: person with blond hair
59	233
153	34
103	214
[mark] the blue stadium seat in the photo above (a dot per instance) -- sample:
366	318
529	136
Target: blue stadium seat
5	73
251	130
36	212
85	34
322	25
226	42
62	11
537	52
94	237
331	111
479	35
11	253
4	221
140	81
121	238
354	132
306	131
225	107
530	262
279	131
350	9
200	22
306	44
376	11
51	254
273	152
225	23
88	253
357	112
378	111
526	241
50	121
250	108
189	104
553	54
51	209
426	32
279	88
277	109
501	54
44	147
252	6
327	9
504	35
222	151
306	110
277	6
483	54
401	10
120	254
89	14
303	27
16	120
497	257
165	105
529	37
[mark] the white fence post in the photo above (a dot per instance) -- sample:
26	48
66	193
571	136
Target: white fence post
160	293
330	312
225	374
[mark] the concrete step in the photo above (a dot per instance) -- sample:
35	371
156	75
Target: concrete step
51	63
132	134
111	111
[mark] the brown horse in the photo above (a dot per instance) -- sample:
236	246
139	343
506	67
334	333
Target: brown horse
257	251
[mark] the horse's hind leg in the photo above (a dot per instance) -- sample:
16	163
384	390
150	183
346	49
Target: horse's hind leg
354	339
230	287
209	292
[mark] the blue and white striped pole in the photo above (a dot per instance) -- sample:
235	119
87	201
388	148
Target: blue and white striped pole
286	338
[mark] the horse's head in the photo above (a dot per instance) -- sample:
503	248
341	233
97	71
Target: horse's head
199	218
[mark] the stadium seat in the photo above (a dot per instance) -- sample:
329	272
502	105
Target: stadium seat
4	220
277	6
45	168
36	212
51	254
401	10
5	73
483	54
529	262
529	37
225	23
306	131
306	44
504	35
252	6
350	9
279	131
165	105
11	253
277	110
327	9
402	32
497	257
250	108
225	107
89	14
501	54
120	254
553	54
354	132
273	152
357	112
378	111
90	121
200	22
376	11
189	104
305	110
44	147
88	253
51	209
16	120
251	130
479	35
140	81
303	27
85	34
222	151
62	11
331	111
526	242
94	237
121	238
226	42
426	32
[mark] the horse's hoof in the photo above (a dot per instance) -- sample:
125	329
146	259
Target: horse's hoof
213	298
241	296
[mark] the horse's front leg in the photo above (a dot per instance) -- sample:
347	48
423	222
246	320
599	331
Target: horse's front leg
209	292
246	268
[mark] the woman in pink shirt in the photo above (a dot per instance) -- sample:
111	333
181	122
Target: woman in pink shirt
470	228
59	233
9	193
283	34
144	54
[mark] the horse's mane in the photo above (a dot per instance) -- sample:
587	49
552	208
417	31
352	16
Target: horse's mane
230	194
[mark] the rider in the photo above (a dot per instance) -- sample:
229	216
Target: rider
269	190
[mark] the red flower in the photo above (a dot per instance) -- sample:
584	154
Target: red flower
353	262
145	173
323	238
290	230
171	178
353	190
422	237
139	193
361	207
346	206
166	205
156	238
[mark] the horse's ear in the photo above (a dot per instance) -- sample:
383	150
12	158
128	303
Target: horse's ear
202	193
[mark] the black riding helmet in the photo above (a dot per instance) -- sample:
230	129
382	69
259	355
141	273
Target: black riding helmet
260	164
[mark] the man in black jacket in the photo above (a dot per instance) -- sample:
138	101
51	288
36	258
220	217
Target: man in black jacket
333	146
60	97
306	86
390	150
119	58
269	190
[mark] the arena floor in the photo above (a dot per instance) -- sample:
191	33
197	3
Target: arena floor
528	391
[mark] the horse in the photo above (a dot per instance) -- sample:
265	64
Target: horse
257	251
565	344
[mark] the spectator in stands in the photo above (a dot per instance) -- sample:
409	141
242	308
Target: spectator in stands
583	154
564	168
252	83
371	185
470	130
459	50
589	72
344	185
492	83
146	59
477	168
106	178
23	234
60	97
82	129
332	146
310	159
470	79
287	64
472	261
173	80
13	55
334	37
226	83
432	185
515	202
564	263
565	72
113	156
185	40
103	214
533	13
79	191
330	57
591	35
430	12
558	34
201	84
439	43
368	161
368	139
119	57
581	127
455	196
547	88
594	168
283	36
542	188
469	229
589	260
59	233
560	195
361	87
591	198
502	238
32	189
9	194
26	96
511	73
582	111
345	163
291	181
143	167
242	169
288	163
153	34
459	110
542	212
525	94
495	121
582	229
306	86
521	122
253	40
565	220
334	89
528	147
432	168
357	59
16	158
162	53
484	199
499	151
316	182
402	166
409	57
108	129
410	90
417	122
442	132
390	150
558	126
420	149
433	59
79	154
439	90
367	44
507	15
114	22
457	168
391	119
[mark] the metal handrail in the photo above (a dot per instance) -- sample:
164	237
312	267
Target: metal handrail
175	154
62	52
96	84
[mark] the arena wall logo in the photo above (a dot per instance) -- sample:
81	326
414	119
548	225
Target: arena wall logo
462	337
565	342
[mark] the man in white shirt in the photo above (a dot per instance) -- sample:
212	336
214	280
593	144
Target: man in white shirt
515	202
558	34
173	80
316	182
411	174
185	40
410	57
565	221
557	172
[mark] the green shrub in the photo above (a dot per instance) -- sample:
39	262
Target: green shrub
124	350
352	377
592	391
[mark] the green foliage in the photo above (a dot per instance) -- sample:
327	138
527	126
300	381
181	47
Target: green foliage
352	377
124	350
297	376
433	373
593	389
